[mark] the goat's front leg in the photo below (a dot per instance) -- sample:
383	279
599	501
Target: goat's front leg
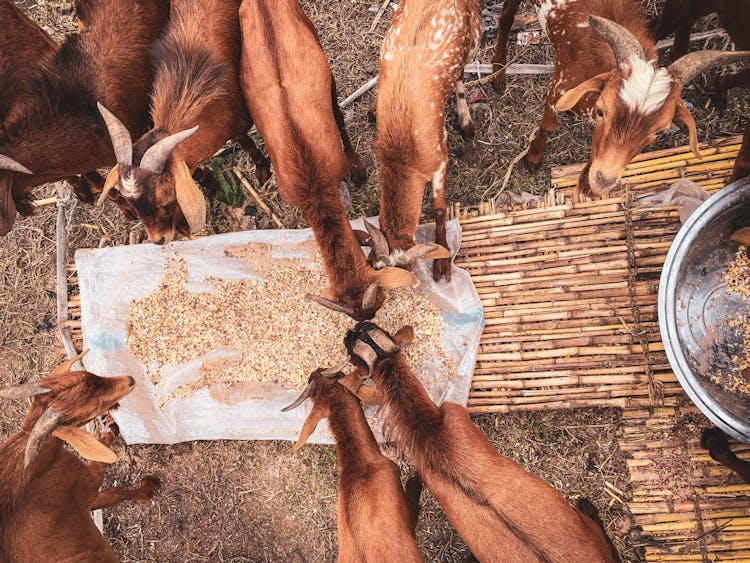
262	165
441	267
116	495
357	171
465	125
726	82
500	59
533	158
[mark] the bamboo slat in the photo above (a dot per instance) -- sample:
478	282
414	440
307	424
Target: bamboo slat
569	290
688	506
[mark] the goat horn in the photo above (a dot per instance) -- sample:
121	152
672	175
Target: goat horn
335	370
623	42
308	392
22	391
7	163
156	156
45	426
122	144
688	66
332	305
370	298
416	251
379	242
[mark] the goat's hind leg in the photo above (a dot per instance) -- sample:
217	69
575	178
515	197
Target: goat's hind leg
500	58
465	124
262	165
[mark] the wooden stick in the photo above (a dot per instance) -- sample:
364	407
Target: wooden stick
42	202
359	92
379	15
257	198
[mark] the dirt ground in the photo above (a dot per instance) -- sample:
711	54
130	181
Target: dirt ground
256	501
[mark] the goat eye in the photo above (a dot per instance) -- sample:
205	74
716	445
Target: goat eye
599	112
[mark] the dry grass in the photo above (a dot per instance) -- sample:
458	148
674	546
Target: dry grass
255	501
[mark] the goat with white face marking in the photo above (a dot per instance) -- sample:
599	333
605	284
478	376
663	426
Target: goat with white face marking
421	64
618	83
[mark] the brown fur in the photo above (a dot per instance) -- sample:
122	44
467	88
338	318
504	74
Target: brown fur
413	86
375	520
742	164
45	509
57	132
196	83
502	512
715	441
620	134
300	130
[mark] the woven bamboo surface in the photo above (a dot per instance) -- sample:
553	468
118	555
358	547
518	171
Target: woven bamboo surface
689	507
570	291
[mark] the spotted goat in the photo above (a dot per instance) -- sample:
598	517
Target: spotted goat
619	83
421	64
47	493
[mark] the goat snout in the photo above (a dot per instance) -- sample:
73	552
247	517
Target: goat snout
601	182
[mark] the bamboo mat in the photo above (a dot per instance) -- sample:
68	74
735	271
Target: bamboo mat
689	507
570	290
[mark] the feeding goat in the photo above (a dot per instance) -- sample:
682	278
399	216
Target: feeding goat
292	100
196	107
502	512
376	518
56	132
46	492
421	64
618	83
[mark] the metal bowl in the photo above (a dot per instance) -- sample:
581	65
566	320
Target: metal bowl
695	310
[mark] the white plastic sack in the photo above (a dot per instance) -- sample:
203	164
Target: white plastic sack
111	278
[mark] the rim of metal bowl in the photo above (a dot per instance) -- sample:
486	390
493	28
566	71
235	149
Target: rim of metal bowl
725	198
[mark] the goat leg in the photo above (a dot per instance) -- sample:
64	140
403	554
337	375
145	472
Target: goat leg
742	164
533	158
441	267
262	165
465	125
357	171
413	490
726	82
500	58
116	495
715	441
86	185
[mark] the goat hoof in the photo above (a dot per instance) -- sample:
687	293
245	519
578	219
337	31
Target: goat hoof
532	164
263	174
441	269
467	132
499	83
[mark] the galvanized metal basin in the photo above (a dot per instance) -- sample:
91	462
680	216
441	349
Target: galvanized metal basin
695	309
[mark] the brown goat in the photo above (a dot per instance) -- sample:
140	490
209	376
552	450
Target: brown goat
502	512
46	492
290	98
57	132
618	83
24	46
715	441
421	64
196	107
376	519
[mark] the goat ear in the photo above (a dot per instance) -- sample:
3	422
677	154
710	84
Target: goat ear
7	205
22	391
570	98
189	196
67	365
684	119
86	444
112	180
390	277
311	422
368	394
404	336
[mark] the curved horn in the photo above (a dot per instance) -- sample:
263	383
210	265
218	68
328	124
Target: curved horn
42	429
332	305
623	42
379	242
7	163
156	156
335	370
370	297
308	392
688	66
22	391
122	144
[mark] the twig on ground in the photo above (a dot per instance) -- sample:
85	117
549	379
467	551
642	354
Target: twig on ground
257	198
